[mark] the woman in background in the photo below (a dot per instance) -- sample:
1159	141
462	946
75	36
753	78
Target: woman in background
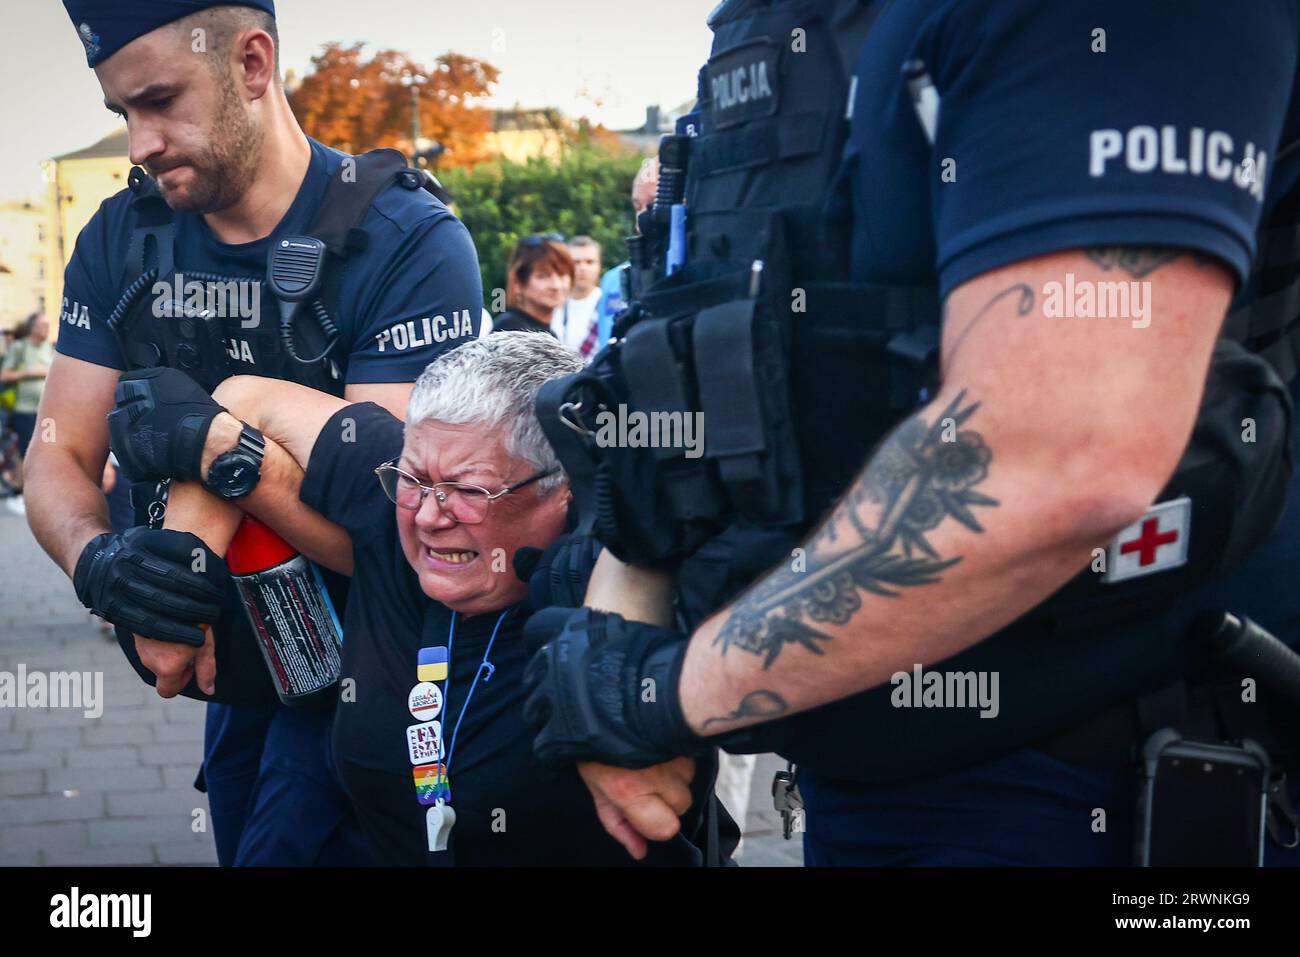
537	283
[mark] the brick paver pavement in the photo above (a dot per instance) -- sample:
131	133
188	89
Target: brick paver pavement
112	789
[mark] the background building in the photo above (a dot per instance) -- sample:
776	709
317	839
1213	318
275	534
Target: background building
76	183
518	135
22	261
645	138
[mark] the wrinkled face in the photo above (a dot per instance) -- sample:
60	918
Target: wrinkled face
586	269
470	568
188	123
545	290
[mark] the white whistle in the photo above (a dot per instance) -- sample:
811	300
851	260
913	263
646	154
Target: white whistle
439	820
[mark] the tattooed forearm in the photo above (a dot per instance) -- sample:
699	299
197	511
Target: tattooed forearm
763	703
922	475
1137	261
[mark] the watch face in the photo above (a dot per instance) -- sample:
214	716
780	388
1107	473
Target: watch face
235	477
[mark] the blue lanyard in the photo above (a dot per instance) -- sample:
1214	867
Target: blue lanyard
485	663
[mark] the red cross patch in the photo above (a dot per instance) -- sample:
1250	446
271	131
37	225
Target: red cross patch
1156	542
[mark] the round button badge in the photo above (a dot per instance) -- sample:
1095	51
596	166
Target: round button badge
425	701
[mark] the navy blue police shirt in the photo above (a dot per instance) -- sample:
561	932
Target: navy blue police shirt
509	808
411	294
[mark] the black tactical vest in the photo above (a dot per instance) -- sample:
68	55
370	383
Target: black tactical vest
211	344
800	373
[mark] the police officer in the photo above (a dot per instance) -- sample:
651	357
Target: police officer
198	86
1082	190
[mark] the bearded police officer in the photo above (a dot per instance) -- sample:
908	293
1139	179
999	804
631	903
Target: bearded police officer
232	175
987	249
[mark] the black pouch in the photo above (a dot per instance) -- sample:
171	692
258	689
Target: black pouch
658	365
744	386
623	497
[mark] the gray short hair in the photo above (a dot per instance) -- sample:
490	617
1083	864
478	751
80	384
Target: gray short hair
491	382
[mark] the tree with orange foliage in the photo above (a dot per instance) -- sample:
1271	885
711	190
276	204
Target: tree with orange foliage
357	103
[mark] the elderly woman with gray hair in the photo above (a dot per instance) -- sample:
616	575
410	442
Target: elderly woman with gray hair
430	740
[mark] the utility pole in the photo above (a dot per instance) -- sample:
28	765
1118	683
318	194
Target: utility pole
415	114
415	81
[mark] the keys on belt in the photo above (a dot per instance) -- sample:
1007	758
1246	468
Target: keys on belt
788	802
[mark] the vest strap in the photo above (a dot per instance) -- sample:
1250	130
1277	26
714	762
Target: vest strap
351	193
153	238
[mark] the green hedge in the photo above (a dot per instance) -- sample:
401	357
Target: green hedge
587	192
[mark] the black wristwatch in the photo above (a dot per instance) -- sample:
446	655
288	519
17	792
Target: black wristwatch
236	472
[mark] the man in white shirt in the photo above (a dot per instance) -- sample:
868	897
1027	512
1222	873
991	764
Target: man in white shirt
572	321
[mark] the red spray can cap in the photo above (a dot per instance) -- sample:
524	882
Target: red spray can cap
255	548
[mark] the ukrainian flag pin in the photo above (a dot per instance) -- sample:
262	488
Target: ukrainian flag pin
432	664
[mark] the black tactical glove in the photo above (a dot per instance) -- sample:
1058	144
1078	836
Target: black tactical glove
605	689
558	575
159	424
145	580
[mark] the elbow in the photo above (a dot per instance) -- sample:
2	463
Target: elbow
1103	492
238	395
43	445
1098	514
33	463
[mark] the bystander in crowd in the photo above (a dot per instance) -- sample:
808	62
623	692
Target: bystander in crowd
574	320
25	365
538	281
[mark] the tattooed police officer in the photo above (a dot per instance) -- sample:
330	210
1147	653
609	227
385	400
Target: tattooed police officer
972	260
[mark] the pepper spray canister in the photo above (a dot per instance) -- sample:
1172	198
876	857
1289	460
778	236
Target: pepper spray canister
290	612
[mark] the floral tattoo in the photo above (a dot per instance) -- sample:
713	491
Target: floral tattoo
922	475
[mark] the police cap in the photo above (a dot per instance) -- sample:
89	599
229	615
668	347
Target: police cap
105	26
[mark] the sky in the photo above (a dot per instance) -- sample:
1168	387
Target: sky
605	59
